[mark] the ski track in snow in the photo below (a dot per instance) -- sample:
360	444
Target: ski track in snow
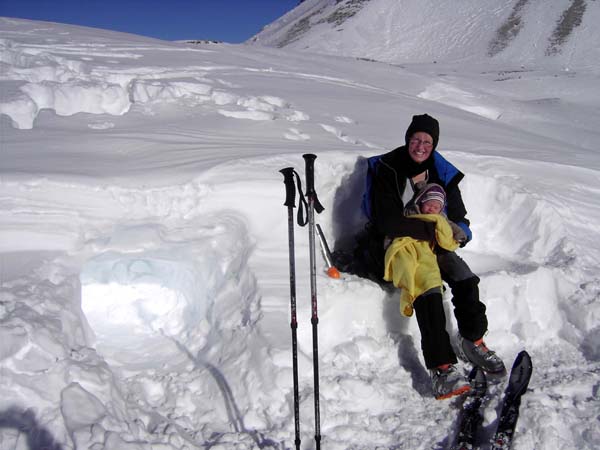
143	316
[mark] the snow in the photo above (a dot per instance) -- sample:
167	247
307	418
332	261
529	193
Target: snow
144	290
561	32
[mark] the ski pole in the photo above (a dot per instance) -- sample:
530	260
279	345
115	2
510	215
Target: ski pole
332	271
313	205
290	202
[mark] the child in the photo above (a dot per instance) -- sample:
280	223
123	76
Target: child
411	264
431	199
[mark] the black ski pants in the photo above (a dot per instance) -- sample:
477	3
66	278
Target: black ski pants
468	310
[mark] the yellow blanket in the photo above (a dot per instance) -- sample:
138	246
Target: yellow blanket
411	264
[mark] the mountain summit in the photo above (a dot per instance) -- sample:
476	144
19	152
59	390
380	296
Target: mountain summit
424	31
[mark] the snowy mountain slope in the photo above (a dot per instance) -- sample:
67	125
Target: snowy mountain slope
410	31
144	296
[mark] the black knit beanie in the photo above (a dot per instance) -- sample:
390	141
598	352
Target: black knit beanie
426	124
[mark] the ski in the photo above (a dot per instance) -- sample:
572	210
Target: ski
517	385
471	418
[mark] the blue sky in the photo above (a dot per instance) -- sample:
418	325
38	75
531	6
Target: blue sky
224	20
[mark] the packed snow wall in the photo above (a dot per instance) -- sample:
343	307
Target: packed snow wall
168	308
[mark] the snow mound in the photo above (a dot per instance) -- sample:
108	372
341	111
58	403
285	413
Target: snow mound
185	297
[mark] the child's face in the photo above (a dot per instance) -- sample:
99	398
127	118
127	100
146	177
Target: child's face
431	207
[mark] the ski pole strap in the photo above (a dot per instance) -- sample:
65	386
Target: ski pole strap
291	179
309	159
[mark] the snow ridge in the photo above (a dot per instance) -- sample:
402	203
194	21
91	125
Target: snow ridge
65	78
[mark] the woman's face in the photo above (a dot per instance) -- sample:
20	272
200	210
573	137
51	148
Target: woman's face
420	146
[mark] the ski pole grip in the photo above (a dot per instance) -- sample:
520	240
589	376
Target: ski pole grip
290	187
309	159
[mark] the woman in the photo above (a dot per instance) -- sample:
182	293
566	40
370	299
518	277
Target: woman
393	177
